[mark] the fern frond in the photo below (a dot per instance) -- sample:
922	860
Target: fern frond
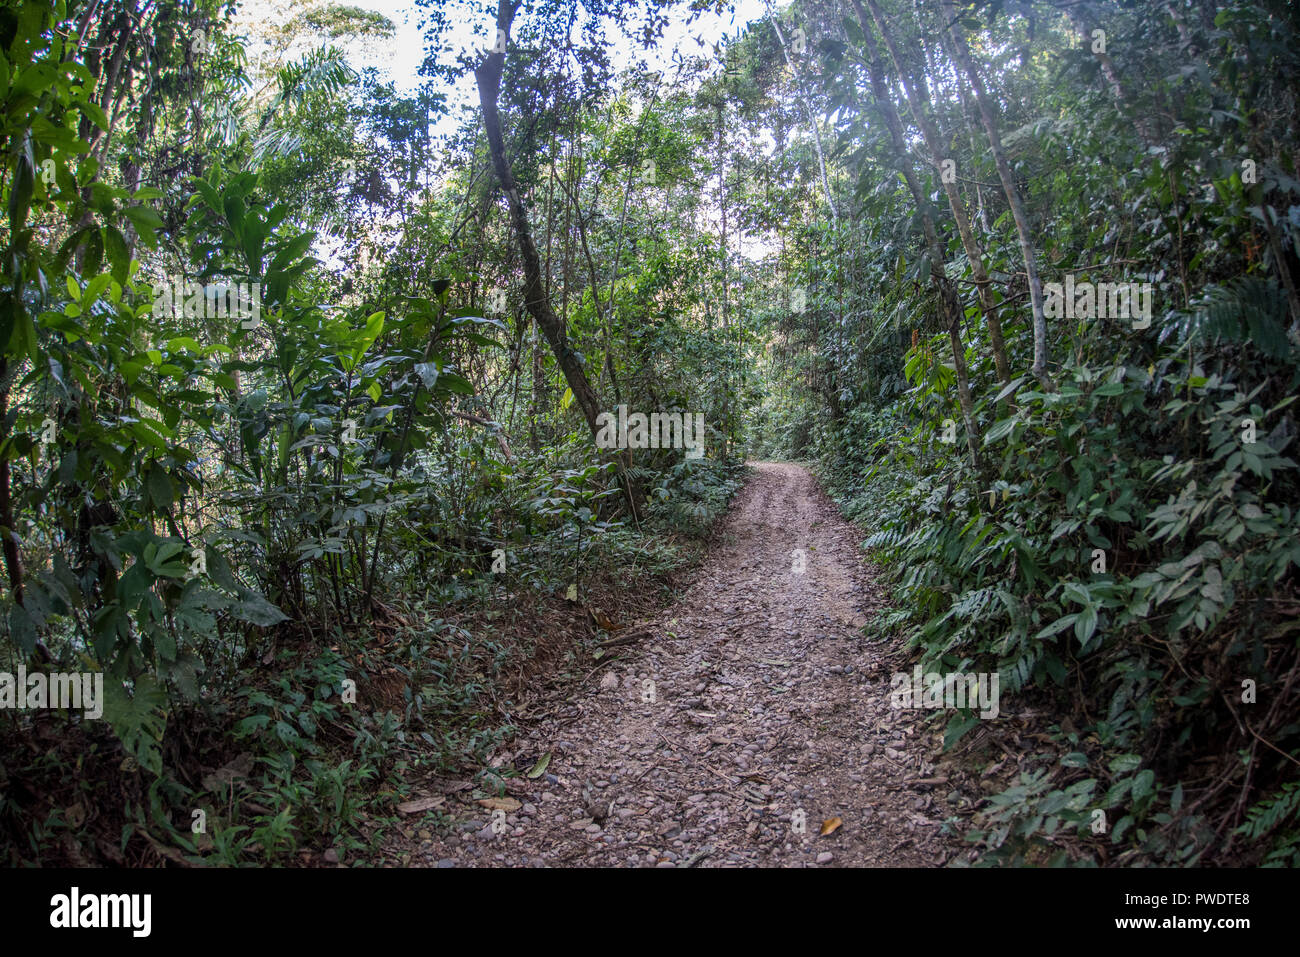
1247	310
1271	812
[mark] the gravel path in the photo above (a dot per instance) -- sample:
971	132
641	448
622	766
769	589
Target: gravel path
747	719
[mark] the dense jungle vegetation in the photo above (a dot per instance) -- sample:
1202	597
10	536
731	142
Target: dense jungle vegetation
302	378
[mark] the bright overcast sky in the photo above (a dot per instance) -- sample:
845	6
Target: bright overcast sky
400	61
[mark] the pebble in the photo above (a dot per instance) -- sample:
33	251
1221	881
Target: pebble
763	720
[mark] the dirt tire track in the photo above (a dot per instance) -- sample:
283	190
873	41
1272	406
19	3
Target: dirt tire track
765	703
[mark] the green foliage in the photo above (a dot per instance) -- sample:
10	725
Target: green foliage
230	514
1270	814
1121	552
691	496
384	474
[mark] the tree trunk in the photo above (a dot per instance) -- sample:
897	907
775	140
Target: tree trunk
12	559
536	301
488	75
803	101
1122	96
952	307
967	63
974	253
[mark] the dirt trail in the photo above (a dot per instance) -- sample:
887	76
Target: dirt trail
766	709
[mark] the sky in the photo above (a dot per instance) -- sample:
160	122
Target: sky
400	61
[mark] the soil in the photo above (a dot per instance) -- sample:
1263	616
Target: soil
730	730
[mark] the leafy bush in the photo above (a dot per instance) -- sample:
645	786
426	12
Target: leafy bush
1122	558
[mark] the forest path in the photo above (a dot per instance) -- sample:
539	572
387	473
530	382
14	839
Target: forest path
765	705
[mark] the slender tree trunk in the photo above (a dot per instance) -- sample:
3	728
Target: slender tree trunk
983	284
1184	34
726	261
538	304
1117	87
967	63
538	388
1279	260
812	118
948	297
12	558
536	301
